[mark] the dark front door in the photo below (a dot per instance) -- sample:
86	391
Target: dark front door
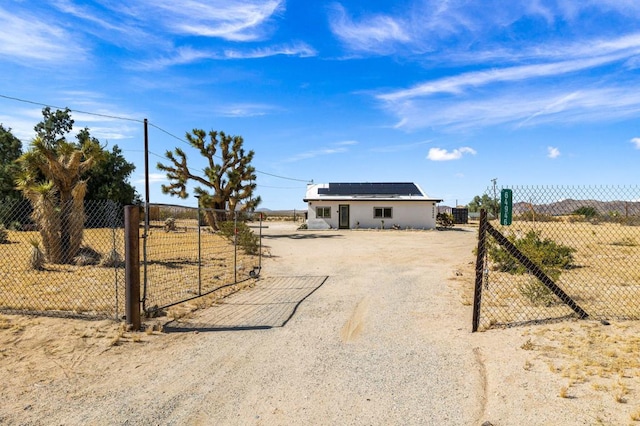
343	213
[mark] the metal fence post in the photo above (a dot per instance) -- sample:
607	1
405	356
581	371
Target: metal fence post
260	249
132	266
480	266
235	247
199	251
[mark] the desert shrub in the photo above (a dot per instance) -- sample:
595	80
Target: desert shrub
15	226
4	235
550	256
170	224
630	221
445	220
529	216
537	293
112	260
86	256
587	211
626	242
36	260
249	241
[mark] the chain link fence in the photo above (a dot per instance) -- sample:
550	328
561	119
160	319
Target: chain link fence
568	252
62	259
184	257
66	261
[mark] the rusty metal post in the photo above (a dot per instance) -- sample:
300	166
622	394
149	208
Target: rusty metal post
132	266
480	267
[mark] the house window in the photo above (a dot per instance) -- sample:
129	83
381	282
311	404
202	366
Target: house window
323	212
382	212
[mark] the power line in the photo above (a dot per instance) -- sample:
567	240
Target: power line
279	187
257	171
115	117
284	177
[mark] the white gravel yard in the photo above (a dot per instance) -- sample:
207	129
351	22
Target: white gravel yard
376	332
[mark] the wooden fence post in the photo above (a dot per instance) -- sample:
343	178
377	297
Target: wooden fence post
132	266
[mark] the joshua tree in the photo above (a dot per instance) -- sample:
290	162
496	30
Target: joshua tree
51	179
229	176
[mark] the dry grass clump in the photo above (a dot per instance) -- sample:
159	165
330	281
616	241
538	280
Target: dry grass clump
112	260
37	259
604	358
87	256
5	323
4	235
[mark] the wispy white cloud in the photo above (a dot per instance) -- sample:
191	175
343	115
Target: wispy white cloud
553	152
400	147
447	29
187	55
105	120
21	122
627	45
522	106
180	56
26	37
244	110
440	154
375	33
346	143
336	148
458	84
301	50
235	21
153	178
636	142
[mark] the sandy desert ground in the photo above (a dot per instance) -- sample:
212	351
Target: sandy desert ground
343	327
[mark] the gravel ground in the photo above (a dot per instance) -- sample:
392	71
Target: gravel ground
343	327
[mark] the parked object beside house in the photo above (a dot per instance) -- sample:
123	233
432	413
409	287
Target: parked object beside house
369	205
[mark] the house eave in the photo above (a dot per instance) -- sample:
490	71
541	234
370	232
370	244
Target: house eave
393	199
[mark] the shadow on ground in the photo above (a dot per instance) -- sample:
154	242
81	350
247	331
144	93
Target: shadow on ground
302	236
271	303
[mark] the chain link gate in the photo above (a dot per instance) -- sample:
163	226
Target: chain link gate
184	257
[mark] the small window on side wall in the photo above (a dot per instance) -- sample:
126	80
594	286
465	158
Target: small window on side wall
382	213
323	212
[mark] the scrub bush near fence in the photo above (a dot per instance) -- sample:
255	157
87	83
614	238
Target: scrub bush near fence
586	241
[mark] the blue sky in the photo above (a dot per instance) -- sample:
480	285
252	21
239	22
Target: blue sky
447	94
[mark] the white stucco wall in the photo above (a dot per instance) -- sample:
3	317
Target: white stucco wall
406	214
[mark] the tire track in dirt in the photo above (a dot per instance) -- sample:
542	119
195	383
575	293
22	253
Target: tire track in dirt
482	372
354	325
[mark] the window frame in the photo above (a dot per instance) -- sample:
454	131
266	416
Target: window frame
326	210
383	211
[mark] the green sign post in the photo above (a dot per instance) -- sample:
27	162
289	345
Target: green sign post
506	206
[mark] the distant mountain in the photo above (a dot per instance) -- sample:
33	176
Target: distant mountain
568	206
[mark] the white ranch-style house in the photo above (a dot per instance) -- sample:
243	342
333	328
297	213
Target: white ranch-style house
369	205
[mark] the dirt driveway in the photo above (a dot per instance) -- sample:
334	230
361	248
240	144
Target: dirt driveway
343	327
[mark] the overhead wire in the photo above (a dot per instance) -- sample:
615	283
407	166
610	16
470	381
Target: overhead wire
135	120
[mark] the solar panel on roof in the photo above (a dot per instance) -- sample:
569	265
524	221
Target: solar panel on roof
404	188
